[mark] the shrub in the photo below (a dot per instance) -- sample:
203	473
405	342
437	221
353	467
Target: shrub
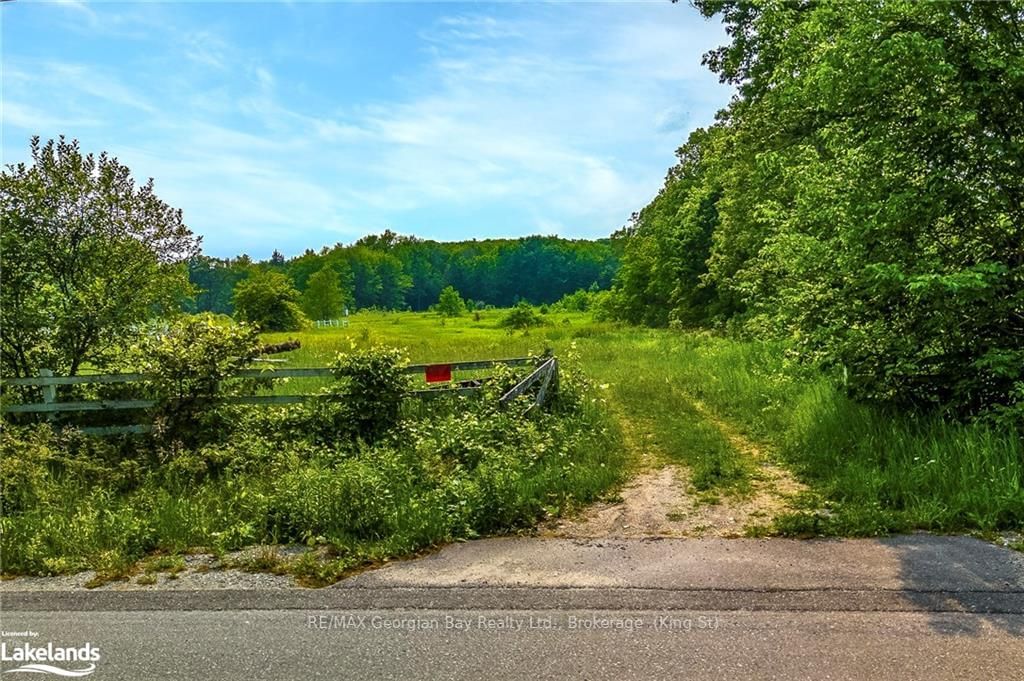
522	317
191	365
375	385
270	301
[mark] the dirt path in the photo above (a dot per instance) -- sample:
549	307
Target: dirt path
661	502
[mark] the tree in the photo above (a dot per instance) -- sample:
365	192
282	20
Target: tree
268	300
668	244
398	272
861	198
872	198
323	298
87	255
450	303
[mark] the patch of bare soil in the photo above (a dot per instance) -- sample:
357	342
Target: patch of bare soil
772	488
660	501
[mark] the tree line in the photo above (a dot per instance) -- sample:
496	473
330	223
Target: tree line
862	197
90	258
394	272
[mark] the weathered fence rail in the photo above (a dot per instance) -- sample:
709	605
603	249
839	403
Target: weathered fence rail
546	372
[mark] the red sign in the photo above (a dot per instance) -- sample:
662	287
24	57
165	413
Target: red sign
439	373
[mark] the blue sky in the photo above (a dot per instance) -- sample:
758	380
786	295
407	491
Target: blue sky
297	124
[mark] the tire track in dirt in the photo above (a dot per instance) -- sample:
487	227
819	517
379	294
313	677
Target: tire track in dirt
660	501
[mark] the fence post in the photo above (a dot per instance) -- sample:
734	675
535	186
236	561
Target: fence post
49	392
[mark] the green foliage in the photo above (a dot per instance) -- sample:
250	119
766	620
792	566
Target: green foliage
592	300
191	364
522	317
860	198
87	255
268	300
460	470
668	243
374	385
323	297
449	303
393	272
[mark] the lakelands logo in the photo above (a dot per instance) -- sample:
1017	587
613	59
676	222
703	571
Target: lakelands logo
39	659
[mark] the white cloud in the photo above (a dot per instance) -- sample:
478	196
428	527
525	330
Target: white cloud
89	81
205	48
14	113
504	115
76	5
472	27
565	118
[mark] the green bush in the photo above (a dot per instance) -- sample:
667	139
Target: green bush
191	365
522	317
270	301
374	385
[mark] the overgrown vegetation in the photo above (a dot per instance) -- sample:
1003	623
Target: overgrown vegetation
360	473
860	198
868	467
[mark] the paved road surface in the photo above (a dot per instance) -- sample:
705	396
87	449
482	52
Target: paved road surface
916	607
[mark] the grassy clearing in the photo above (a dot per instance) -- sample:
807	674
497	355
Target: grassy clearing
427	338
456	470
636	369
877	472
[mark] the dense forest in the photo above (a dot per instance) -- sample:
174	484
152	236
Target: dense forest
862	196
394	272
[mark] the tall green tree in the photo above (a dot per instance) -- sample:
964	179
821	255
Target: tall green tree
268	300
323	297
864	197
450	303
87	255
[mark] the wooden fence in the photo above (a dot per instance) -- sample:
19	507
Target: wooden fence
545	373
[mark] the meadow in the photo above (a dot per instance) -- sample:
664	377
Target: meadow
450	469
870	471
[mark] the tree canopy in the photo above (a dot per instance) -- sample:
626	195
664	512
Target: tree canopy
861	197
268	300
399	272
87	255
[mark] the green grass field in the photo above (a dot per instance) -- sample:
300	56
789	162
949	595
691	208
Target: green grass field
876	472
456	469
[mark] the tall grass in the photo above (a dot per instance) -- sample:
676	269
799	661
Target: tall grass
878	471
891	472
452	476
460	469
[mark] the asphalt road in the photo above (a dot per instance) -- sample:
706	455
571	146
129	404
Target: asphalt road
917	607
